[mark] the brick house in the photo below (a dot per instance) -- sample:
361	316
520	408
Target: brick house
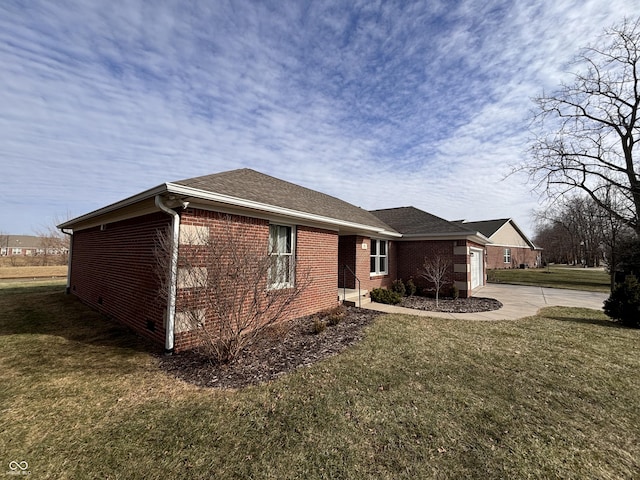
112	266
426	235
20	245
113	257
509	247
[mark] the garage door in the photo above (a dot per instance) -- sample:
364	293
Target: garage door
477	267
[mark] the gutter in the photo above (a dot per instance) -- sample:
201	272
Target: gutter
218	198
69	257
173	273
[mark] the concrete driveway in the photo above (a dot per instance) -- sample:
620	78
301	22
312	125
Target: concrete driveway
518	302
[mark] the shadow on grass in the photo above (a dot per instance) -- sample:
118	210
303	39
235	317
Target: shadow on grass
586	321
48	310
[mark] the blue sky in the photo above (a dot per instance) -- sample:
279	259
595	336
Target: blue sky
382	104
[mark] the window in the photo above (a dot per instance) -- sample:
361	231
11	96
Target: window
281	252
507	255
378	257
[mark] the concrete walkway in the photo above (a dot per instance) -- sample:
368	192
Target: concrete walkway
518	302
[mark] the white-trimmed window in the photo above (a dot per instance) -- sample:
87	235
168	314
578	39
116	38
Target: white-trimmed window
507	255
379	259
281	242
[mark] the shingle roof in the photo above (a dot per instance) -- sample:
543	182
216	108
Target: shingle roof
20	241
486	227
250	185
412	221
489	227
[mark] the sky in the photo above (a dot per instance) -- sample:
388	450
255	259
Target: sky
381	104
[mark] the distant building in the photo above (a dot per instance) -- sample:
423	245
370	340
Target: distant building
509	247
29	245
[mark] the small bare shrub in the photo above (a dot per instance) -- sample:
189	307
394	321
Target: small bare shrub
229	294
435	270
278	331
318	325
411	288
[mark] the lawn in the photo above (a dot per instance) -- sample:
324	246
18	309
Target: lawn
33	272
575	278
551	396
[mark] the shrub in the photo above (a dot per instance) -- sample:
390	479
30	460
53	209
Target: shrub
627	261
455	292
411	288
398	287
335	315
277	331
382	295
623	304
318	326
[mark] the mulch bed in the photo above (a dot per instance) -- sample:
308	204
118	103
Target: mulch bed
273	355
298	346
450	305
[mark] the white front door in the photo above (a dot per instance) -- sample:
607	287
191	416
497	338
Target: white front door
477	267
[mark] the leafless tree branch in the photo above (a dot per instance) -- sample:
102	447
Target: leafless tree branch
585	133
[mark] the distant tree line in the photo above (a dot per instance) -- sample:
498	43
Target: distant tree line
577	231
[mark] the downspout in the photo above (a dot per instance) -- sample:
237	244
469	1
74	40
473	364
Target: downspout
173	274
69	257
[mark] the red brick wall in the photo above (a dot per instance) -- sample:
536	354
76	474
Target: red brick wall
317	251
495	257
113	271
316	254
411	257
352	254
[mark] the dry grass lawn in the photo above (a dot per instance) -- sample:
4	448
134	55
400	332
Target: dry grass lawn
551	396
575	278
8	272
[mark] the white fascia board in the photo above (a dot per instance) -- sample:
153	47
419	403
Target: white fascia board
152	192
272	209
183	191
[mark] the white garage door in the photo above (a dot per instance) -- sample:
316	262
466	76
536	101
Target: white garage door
477	267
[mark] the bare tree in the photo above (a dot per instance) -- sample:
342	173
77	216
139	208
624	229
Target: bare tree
4	243
54	245
587	130
229	291
576	228
435	269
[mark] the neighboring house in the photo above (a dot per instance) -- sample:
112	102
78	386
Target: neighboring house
510	247
29	245
113	264
425	236
20	245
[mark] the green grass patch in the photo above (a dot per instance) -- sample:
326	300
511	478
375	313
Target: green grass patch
551	396
589	279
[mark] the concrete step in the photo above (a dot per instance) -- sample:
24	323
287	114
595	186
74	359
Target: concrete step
350	297
354	303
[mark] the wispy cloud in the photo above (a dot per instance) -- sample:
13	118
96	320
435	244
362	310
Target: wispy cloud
379	103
